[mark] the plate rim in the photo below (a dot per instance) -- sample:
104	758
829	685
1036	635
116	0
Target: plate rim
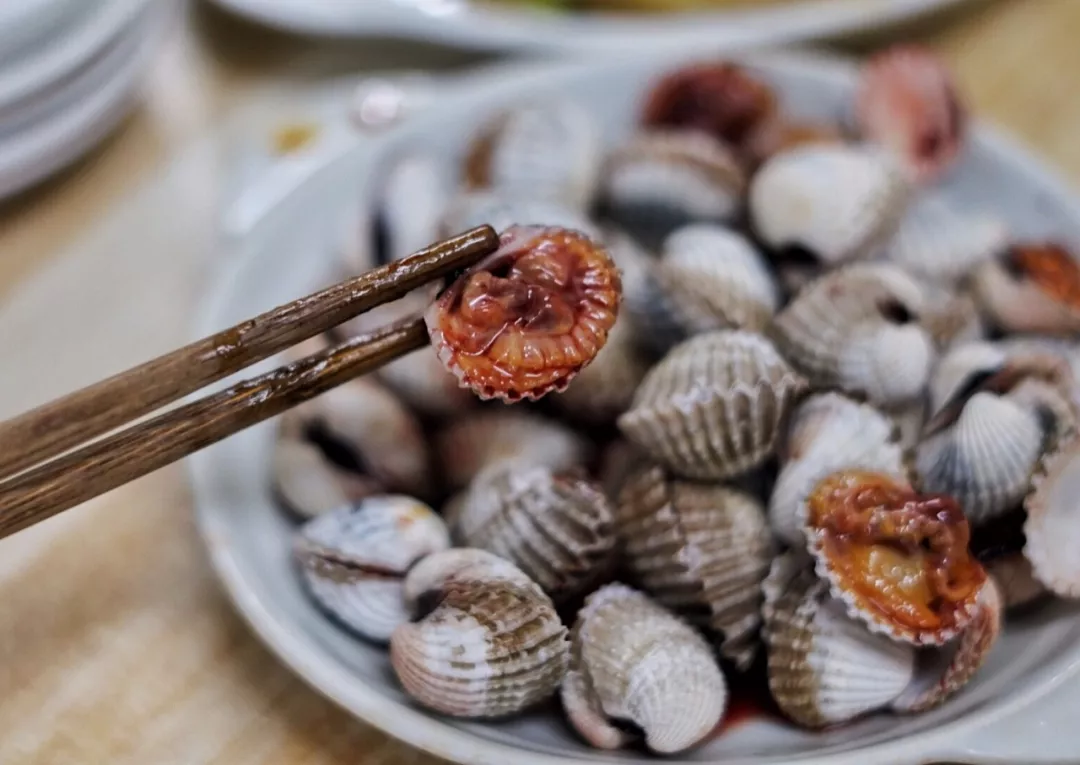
430	733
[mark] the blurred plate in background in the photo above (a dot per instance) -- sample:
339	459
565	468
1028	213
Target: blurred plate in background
510	24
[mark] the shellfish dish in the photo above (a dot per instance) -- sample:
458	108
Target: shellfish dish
744	417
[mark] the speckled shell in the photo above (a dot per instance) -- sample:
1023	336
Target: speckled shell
499	210
952	666
855	329
307	483
416	191
824	667
468	445
938	242
1016	580
686	172
634	661
354	559
550	150
1016	304
1052	528
838	202
701	550
985	460
713	407
828	432
710	278
488	647
604	389
378	432
559	529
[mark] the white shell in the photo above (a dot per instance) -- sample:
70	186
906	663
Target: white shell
416	192
855	329
550	150
470	444
1052	528
687	172
632	660
308	483
701	550
986	459
558	529
500	210
836	201
825	668
712	409
354	559
829	432
938	242
959	366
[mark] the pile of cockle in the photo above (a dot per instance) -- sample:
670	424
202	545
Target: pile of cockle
830	420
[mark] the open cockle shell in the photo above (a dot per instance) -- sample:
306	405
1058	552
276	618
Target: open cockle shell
713	407
354	559
700	550
546	151
634	661
471	443
838	202
1052	529
362	426
826	668
944	671
525	320
558	528
828	432
488	647
898	560
687	174
857	329
1034	287
908	103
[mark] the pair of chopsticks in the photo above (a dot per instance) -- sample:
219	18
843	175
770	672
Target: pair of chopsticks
40	475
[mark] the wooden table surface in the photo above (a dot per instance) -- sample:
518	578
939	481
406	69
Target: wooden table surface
116	645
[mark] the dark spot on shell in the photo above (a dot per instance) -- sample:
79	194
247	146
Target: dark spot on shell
895	312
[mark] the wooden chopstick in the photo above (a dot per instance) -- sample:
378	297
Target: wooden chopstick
53	428
69	480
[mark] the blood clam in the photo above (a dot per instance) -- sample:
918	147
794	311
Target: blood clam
1034	287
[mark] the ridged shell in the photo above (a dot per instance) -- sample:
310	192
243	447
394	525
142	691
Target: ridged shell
551	150
604	389
415	194
1052	528
712	278
499	210
490	647
354	559
634	661
1017	303
986	459
682	172
829	432
468	445
559	529
619	461
1016	582
308	483
838	202
701	550
856	329
960	367
825	668
908	103
952	666
366	423
938	242
427	579
713	407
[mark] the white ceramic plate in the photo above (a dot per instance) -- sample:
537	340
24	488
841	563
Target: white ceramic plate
476	25
55	129
287	253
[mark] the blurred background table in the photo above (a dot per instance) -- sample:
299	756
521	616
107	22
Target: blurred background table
115	643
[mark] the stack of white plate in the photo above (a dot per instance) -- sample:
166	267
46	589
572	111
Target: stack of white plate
70	71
